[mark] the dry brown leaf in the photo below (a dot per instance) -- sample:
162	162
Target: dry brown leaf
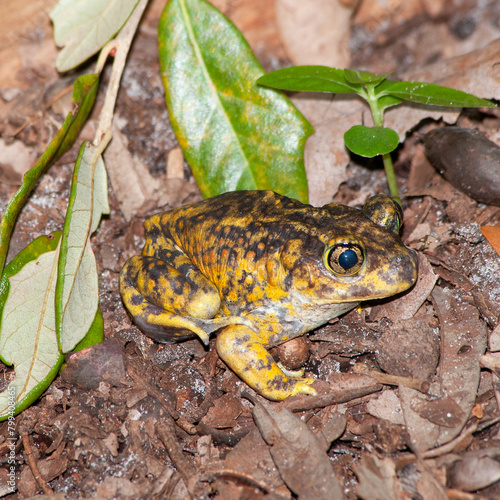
406	306
49	469
297	453
224	413
15	160
325	154
492	234
409	348
315	32
475	471
377	479
132	183
463	340
386	406
494	340
25	42
251	450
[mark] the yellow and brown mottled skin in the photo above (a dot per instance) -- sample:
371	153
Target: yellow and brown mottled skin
263	269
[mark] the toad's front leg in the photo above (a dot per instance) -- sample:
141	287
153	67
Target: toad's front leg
242	350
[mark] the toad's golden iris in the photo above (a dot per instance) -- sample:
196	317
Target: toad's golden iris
263	269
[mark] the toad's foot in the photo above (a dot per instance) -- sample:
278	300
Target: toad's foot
242	350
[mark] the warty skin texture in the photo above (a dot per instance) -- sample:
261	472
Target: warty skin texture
262	269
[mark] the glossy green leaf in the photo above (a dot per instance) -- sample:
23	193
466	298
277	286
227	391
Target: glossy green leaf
77	286
310	79
371	141
27	326
362	77
84	92
95	333
82	27
234	133
435	95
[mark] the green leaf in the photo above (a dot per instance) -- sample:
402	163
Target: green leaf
435	95
27	328
234	134
371	141
95	333
84	92
77	285
310	79
362	77
387	101
82	27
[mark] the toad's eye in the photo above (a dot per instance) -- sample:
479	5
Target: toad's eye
345	259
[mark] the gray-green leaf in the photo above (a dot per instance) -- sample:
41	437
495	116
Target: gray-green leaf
82	27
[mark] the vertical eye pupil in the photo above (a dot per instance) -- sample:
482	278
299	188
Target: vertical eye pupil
348	259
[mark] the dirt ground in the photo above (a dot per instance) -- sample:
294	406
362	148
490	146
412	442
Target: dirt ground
408	390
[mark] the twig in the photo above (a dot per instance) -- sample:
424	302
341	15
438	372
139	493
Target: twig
387	379
39	114
449	447
166	432
213	474
122	43
28	455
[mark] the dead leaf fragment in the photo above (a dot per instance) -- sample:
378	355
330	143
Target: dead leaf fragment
49	469
252	450
99	363
492	234
407	305
463	340
474	472
224	413
132	183
386	406
315	32
410	348
377	479
297	453
444	411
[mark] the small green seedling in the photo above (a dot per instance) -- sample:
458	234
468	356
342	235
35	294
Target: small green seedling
380	93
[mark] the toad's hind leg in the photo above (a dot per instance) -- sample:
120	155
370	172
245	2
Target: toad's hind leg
243	352
171	302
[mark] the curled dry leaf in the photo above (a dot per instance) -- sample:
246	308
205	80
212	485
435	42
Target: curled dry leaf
251	450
